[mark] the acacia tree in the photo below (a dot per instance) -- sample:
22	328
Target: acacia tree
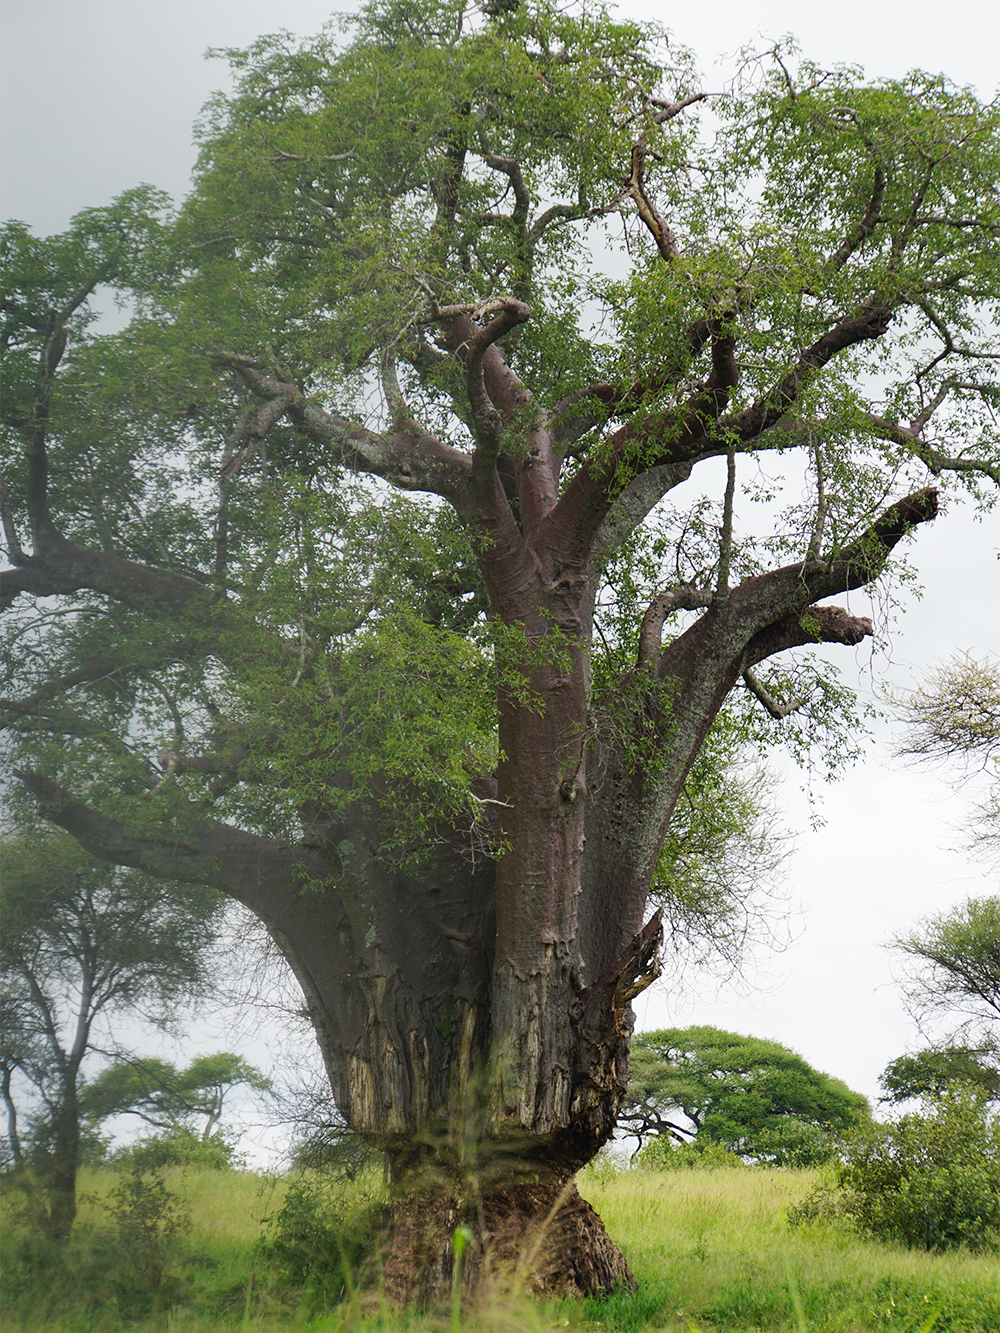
415	751
167	1097
83	945
755	1098
936	1069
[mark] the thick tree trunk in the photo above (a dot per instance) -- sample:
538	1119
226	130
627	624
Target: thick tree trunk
410	1033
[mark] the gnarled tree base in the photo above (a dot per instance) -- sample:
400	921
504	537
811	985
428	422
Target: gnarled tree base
540	1237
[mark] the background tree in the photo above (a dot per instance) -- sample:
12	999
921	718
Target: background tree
397	729
83	945
936	1069
167	1097
955	717
755	1098
952	962
953	958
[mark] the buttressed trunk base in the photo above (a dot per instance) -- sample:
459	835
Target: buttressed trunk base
537	1237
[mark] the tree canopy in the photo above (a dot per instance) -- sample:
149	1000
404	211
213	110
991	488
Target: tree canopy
954	962
753	1097
935	1069
952	976
490	438
165	1096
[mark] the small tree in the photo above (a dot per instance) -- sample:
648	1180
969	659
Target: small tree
83	945
752	1097
952	973
953	965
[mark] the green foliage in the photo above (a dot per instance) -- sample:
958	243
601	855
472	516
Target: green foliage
751	1097
319	1237
287	649
149	1221
347	187
708	1247
178	1146
663	1153
148	940
952	971
954	717
954	961
929	1180
163	1095
935	1069
82	944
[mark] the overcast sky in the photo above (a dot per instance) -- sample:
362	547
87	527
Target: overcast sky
98	95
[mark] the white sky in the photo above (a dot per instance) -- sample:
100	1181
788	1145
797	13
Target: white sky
99	95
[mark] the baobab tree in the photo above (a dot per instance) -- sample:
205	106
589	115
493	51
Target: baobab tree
436	729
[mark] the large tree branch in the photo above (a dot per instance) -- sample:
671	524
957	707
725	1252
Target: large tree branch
63	567
936	460
587	499
408	460
35	431
872	321
694	674
767	599
582	410
265	877
496	389
636	188
486	415
662	606
814	624
15	552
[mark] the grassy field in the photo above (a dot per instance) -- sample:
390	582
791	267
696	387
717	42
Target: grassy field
711	1250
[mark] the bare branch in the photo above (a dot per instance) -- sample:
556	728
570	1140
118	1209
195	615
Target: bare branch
819	524
664	604
777	710
726	534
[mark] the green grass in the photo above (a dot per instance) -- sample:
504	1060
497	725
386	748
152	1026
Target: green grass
711	1250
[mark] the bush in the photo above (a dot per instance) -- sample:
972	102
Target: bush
178	1146
930	1180
149	1222
319	1237
793	1143
665	1154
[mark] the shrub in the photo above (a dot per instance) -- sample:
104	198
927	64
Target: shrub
149	1221
665	1154
318	1237
929	1180
793	1143
178	1146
